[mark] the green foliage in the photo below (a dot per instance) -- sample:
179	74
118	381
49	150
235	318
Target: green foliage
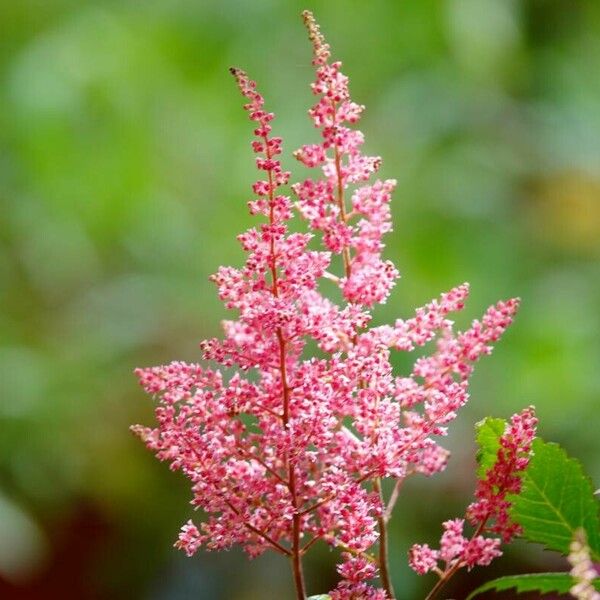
545	583
320	597
556	499
487	435
124	175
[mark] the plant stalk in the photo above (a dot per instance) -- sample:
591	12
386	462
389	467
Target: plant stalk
384	570
296	551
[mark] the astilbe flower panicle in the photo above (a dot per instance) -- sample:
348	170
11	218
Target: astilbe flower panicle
489	514
288	450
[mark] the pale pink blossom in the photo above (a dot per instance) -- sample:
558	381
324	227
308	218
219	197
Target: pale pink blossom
356	568
357	591
452	543
190	539
422	559
455	551
481	551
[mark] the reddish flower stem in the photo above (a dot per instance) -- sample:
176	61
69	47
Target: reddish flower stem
251	456
310	543
384	572
341	202
382	520
383	561
387	515
314	507
296	551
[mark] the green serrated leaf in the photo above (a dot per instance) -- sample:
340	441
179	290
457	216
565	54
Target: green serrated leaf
555	500
487	435
545	583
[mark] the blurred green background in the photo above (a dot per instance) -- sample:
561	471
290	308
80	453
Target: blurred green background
124	171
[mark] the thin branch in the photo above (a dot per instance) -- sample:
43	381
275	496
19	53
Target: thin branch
311	543
261	462
268	410
387	513
365	555
285	390
331	276
258	531
314	507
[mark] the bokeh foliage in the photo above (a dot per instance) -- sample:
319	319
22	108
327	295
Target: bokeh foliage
124	173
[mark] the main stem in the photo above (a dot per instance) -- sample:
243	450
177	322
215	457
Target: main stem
296	550
383	562
341	202
384	572
296	554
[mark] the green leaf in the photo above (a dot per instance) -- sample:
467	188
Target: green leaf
555	500
487	435
545	583
320	597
